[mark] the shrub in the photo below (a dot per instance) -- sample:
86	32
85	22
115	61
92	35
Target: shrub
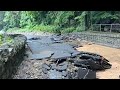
7	39
79	29
68	30
46	28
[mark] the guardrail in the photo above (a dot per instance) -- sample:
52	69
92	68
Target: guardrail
107	27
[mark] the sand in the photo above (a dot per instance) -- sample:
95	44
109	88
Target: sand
112	54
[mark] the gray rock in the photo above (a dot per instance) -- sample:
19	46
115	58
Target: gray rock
34	38
53	66
61	64
60	54
62	46
78	39
75	53
64	73
62	68
86	74
45	66
37	47
41	55
55	38
66	77
10	49
44	70
46	40
53	74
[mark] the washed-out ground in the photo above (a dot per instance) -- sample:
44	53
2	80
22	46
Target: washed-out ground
111	54
32	69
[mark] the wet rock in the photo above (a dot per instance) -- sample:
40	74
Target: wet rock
57	41
53	74
82	73
106	65
60	55
34	38
88	64
71	60
74	75
61	64
53	66
72	72
75	53
94	65
90	43
94	61
62	46
81	63
46	66
41	55
66	77
30	36
61	61
88	56
56	38
69	75
78	39
46	40
44	70
86	74
64	73
10	49
62	68
37	47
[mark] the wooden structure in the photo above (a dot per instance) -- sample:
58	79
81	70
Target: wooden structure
109	27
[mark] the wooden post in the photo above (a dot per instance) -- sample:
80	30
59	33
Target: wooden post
92	27
110	27
100	27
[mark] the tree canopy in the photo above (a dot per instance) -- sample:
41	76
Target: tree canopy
65	21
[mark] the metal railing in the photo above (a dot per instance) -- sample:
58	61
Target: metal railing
108	27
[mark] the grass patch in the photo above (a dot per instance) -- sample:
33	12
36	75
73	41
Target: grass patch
68	30
37	28
46	28
7	39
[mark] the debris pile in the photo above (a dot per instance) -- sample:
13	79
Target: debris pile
81	66
63	61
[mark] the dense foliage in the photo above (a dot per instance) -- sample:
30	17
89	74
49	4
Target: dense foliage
5	39
57	21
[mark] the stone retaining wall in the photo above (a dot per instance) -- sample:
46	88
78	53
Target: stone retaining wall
112	40
11	56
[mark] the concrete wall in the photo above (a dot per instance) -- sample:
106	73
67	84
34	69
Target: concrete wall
11	56
112	40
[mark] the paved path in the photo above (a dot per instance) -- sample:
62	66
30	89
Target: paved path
39	50
51	46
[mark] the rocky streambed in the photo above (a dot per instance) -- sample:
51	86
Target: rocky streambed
56	57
